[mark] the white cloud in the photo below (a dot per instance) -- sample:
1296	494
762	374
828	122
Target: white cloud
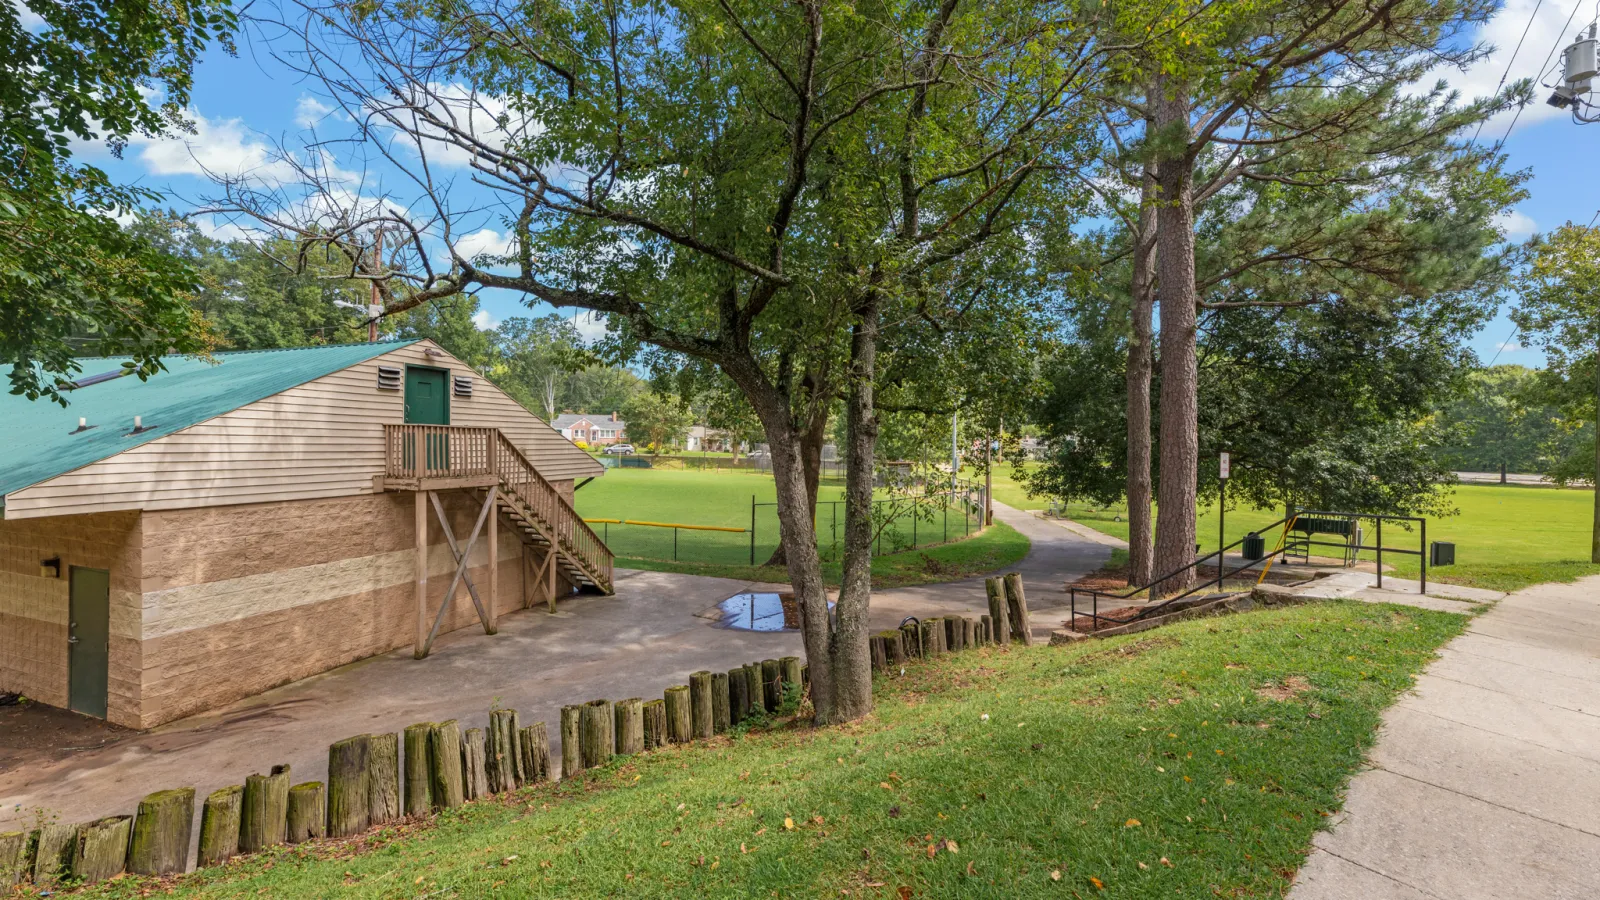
1504	32
220	231
219	146
1515	224
484	321
30	20
591	326
1509	347
309	111
484	241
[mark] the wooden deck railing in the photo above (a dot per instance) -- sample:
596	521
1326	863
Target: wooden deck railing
419	452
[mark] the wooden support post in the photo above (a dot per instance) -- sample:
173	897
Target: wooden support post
13	858
571	742
52	858
655	724
771	685
161	833
721	710
219	826
597	738
738	696
1017	609
419	649
700	704
418	781
789	673
535	747
348	765
383	779
550	577
444	758
474	773
679	718
103	845
266	806
463	558
491	621
629	726
308	812
999	616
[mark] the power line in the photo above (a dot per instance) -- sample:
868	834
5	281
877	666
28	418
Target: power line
1542	70
1525	29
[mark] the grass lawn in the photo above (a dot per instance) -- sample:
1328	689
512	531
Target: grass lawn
723	499
1506	537
1154	765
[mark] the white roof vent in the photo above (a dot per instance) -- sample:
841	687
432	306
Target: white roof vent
388	378
464	386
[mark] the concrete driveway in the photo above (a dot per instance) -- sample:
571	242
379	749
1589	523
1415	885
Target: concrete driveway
634	644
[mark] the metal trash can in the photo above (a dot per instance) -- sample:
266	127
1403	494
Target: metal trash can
1254	547
1442	553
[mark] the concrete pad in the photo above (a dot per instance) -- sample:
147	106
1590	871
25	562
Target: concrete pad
1328	877
1504	771
1437	604
1539	659
1575	694
1508	715
1459	847
1551	611
1553	636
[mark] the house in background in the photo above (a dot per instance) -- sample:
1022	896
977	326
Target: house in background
172	545
592	430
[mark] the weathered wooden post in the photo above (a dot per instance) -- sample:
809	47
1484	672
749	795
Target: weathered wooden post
911	640
721	709
999	617
954	633
383	779
161	833
879	654
308	810
929	645
629	726
348	764
738	696
503	759
52	857
444	765
985	630
474	774
679	719
700	704
571	740
265	808
418	782
655	724
598	742
13	857
1017	609
771	684
755	686
102	850
535	748
971	624
789	672
219	826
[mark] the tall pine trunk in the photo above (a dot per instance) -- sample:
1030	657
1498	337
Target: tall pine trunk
852	697
1140	361
1180	406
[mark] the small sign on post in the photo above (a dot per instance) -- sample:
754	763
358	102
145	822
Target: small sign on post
1224	464
1222	514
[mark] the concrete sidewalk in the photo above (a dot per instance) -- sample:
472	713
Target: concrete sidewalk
1485	782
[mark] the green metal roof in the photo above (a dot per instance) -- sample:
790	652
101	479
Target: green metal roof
39	440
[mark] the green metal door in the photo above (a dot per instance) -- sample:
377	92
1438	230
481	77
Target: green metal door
428	403
88	640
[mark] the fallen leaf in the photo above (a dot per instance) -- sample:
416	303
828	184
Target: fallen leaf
894	812
1132	823
904	892
1098	884
1143	866
972	868
885	785
762	831
1055	875
788	824
1166	862
931	851
952	846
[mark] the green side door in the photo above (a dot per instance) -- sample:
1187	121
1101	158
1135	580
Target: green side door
88	641
428	403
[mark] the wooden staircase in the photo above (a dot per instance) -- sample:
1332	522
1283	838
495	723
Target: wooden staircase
445	457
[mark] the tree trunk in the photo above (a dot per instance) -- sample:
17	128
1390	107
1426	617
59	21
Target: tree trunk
846	692
812	437
1140	362
1594	536
1180	409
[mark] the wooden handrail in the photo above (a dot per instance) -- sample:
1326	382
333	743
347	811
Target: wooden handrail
416	452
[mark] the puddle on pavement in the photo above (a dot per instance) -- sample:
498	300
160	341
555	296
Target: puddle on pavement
755	611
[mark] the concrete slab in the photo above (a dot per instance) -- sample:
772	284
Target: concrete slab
1487	777
1455	846
1438	604
1506	772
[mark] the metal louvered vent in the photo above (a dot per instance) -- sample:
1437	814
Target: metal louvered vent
464	386
388	378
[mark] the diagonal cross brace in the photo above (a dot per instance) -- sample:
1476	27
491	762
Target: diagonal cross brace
462	558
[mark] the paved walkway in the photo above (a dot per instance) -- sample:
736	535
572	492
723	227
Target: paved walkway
1485	782
636	643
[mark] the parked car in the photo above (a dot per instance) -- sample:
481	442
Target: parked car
619	450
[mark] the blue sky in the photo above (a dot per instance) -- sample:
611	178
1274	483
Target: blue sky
241	105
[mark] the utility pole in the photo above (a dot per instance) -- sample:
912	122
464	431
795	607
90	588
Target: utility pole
988	480
375	305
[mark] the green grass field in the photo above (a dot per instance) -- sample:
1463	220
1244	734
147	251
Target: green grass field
1153	765
939	544
1506	537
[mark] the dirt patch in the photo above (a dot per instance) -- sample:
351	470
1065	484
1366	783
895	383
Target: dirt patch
1137	648
1287	690
34	734
1114	579
1109	618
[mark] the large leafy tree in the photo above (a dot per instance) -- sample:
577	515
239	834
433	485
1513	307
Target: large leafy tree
1560	312
72	281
